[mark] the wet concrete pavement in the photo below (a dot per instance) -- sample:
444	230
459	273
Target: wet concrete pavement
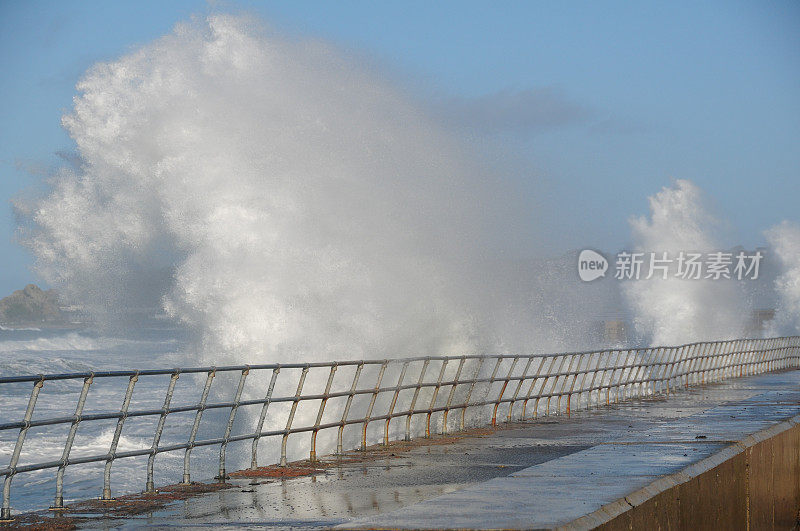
533	475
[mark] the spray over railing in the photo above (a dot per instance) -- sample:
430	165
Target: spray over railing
424	389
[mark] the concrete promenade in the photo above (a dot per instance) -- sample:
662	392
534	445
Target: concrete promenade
539	474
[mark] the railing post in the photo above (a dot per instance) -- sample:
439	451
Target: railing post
150	486
664	354
689	361
615	380
719	360
469	392
665	357
530	389
555	383
645	374
347	407
585	372
767	365
112	451
747	360
641	368
659	360
697	352
627	374
519	386
678	368
755	356
709	359
414	398
372	404
503	390
201	406
610	369
730	363
607	372
262	417
740	358
291	415
595	371
662	357
730	360
433	398
674	357
577	369
312	455
630	383
394	402
544	387
456	380
73	429
236	400
5	513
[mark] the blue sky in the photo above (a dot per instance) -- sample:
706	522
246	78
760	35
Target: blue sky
603	102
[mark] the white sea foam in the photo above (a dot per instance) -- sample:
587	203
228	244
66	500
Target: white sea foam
785	242
72	341
285	203
674	311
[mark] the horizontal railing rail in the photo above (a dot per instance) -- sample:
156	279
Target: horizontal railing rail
598	377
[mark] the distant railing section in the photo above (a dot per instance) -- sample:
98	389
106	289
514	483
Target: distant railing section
540	384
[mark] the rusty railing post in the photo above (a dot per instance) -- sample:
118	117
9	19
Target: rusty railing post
456	381
433	398
394	403
312	455
469	392
291	415
413	405
503	390
375	392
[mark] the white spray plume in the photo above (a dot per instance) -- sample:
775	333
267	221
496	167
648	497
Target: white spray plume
285	203
784	240
673	310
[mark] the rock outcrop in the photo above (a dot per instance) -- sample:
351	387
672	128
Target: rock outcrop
30	305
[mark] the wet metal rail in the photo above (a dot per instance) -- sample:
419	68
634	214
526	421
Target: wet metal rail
524	386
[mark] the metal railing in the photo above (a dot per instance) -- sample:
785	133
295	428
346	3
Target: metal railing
541	384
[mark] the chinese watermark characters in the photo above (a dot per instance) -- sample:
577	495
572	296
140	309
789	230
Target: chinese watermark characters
687	265
684	265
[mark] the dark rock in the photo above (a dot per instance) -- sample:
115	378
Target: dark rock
30	305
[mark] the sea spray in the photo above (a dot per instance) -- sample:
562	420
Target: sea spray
286	203
281	202
784	240
673	311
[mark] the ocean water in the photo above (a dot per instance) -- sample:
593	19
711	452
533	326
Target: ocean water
48	351
34	351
